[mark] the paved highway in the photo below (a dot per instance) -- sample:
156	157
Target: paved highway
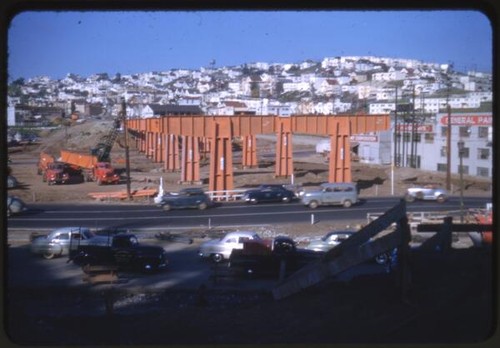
138	216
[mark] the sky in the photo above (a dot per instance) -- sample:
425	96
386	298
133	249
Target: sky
55	44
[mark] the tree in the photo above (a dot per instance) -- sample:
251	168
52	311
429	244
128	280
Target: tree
254	89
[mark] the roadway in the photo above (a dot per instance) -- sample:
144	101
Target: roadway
227	214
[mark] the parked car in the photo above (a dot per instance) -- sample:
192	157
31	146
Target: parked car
329	240
15	205
220	249
427	193
122	251
58	242
12	182
269	193
334	238
277	255
345	194
186	198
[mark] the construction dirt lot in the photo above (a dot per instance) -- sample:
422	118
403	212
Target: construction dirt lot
451	296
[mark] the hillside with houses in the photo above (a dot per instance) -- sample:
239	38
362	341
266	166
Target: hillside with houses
337	85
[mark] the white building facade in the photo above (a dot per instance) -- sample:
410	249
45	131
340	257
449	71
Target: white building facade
425	146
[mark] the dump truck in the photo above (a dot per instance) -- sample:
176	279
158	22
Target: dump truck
92	169
43	162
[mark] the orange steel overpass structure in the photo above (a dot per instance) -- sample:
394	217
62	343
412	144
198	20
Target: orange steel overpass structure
159	137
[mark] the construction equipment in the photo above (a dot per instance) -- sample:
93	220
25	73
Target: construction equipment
96	165
106	142
44	160
92	168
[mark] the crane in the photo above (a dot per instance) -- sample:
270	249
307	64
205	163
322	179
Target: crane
106	142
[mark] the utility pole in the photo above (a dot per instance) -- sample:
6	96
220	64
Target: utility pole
127	156
448	148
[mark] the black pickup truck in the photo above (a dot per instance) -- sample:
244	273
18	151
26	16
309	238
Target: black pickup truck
278	257
124	251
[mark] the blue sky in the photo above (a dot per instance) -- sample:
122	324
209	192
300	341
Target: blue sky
57	43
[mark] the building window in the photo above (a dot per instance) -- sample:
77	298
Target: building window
482	132
429	138
442	167
465	170
483	154
444	131
464	132
484	172
443	151
465	152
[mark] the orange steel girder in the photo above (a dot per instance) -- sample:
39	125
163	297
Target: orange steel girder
220	130
340	153
284	162
171	162
190	160
221	156
249	152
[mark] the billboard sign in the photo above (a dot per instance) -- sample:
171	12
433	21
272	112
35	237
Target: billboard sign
468	120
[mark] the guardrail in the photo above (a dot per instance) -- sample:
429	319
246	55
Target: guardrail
427	217
226	195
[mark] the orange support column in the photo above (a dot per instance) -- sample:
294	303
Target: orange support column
157	144
190	160
340	153
172	153
249	152
284	160
221	156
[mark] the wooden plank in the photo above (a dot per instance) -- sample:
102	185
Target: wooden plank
385	220
320	270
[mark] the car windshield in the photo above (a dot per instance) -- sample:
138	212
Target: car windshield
87	234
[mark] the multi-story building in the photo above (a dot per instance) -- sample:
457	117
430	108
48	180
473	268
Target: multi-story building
425	145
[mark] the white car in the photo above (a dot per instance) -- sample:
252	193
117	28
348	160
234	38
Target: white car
59	241
15	205
426	193
220	249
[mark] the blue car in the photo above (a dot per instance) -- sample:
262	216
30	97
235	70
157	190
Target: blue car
269	193
186	198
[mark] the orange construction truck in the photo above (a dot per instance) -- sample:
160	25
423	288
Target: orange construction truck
92	170
43	162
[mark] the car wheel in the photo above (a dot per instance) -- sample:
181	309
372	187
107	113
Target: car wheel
287	199
441	199
254	201
48	256
382	259
217	258
347	203
202	206
313	204
166	207
409	198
